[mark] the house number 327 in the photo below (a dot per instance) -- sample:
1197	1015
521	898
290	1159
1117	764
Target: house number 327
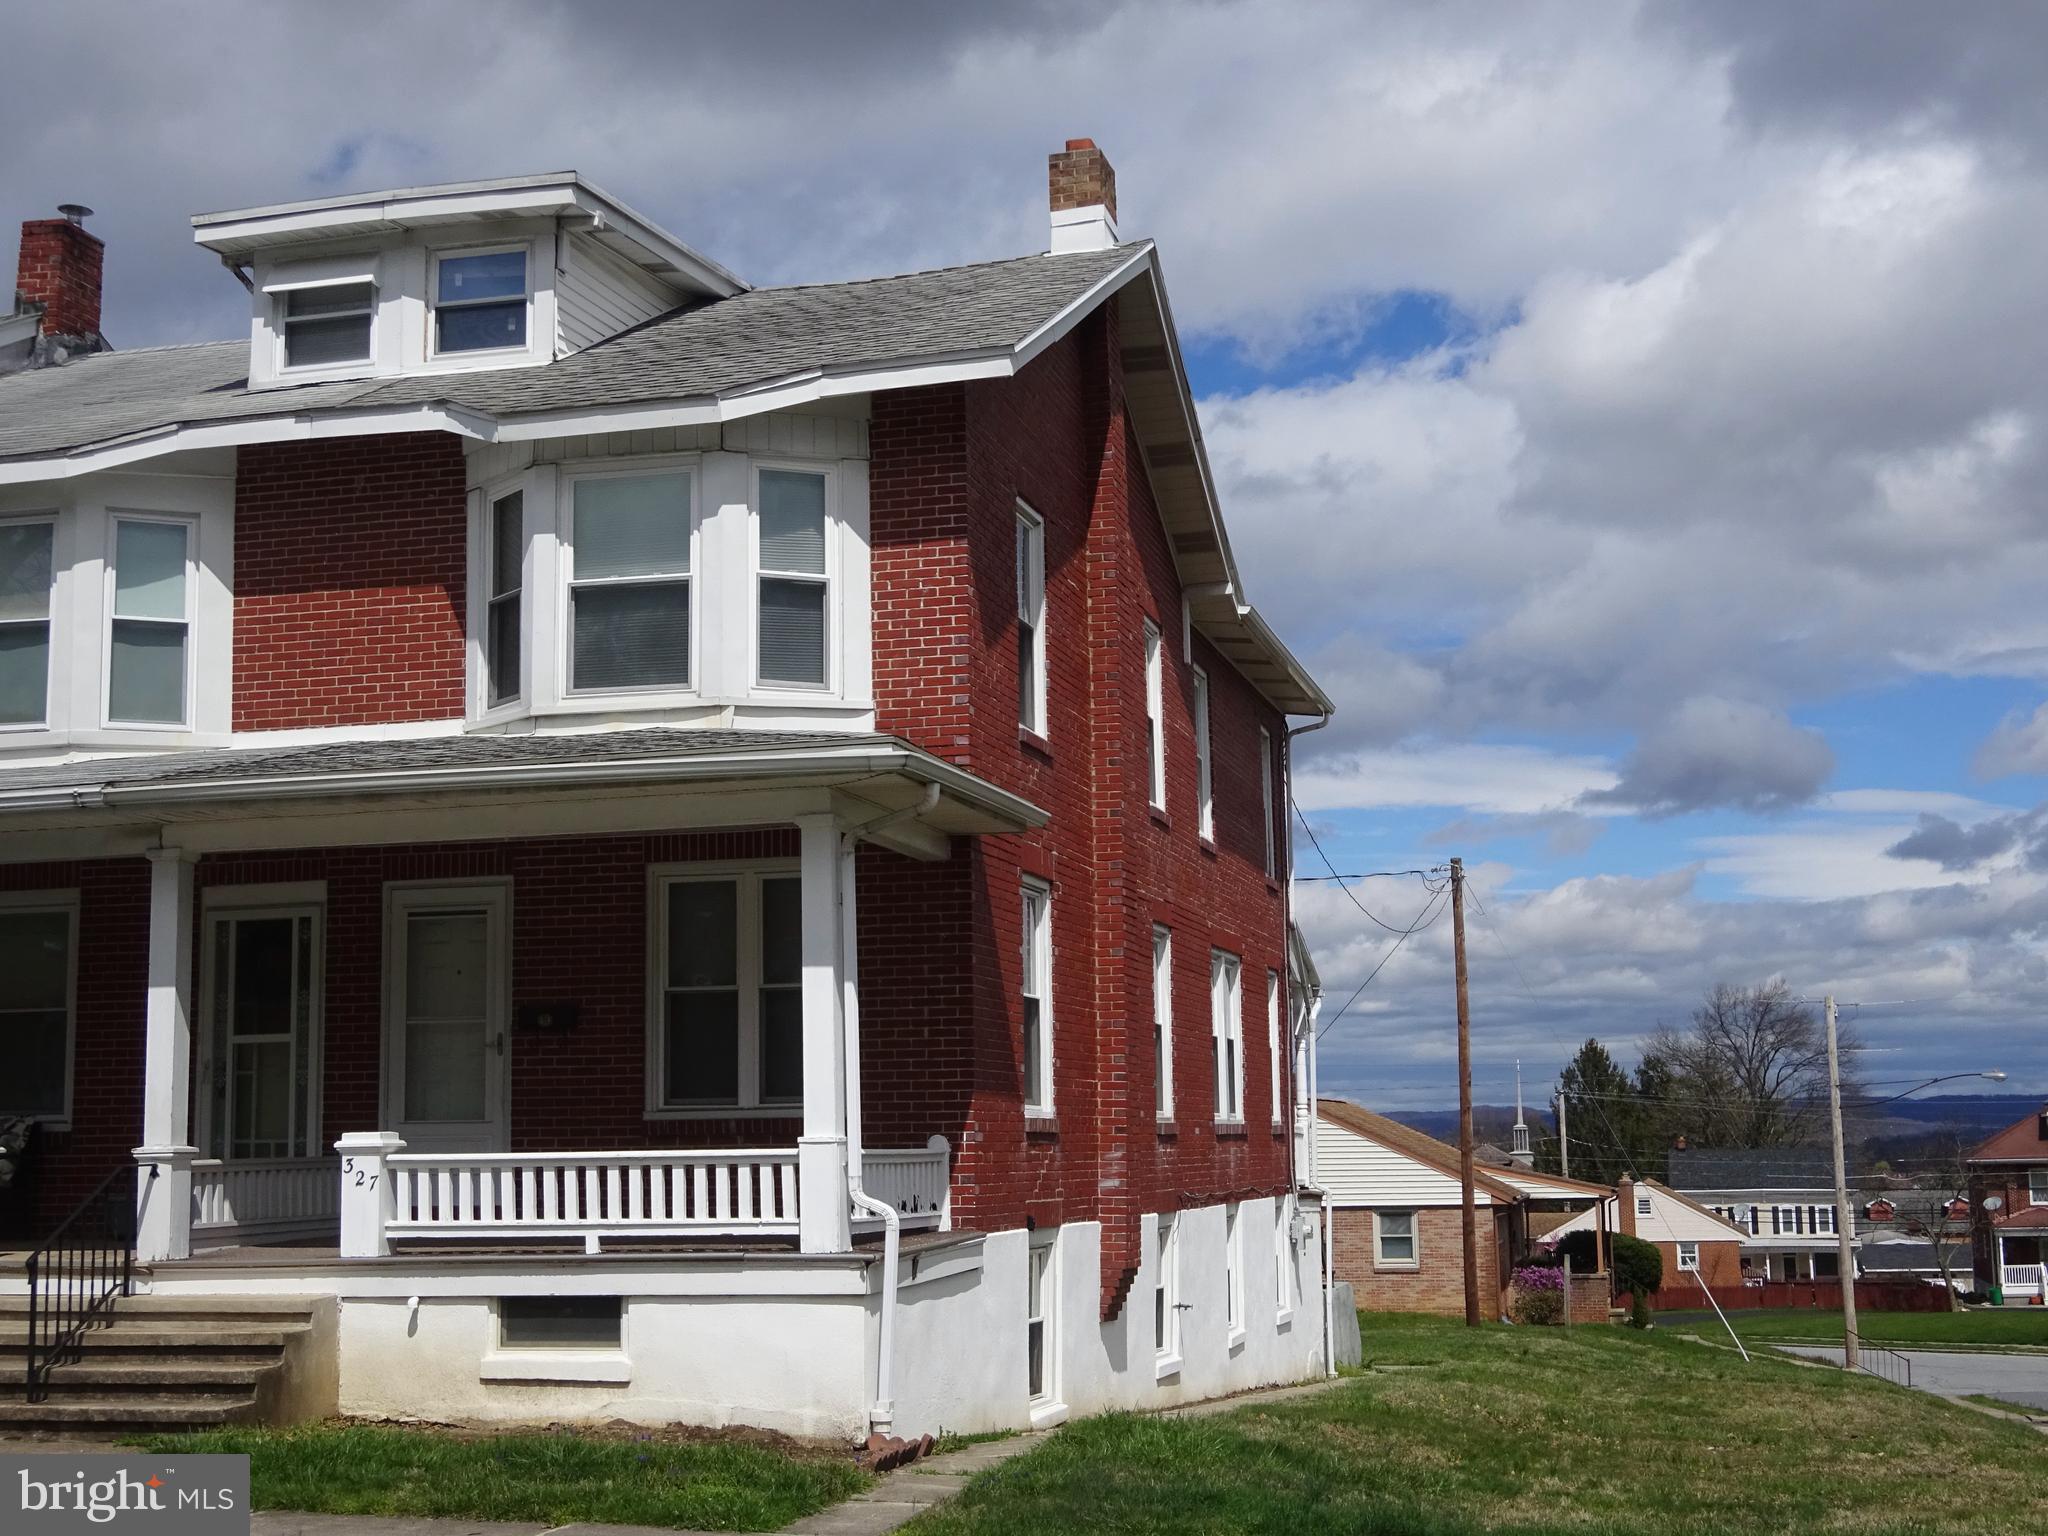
348	1167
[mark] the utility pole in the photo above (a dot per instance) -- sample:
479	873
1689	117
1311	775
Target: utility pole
1845	1221
1469	1214
1564	1142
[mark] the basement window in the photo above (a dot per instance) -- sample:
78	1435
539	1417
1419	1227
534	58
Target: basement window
560	1322
328	325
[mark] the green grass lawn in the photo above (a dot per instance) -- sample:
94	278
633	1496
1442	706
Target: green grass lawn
560	1478
1600	1431
2001	1327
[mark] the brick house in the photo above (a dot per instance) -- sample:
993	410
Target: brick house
664	849
1699	1246
2008	1215
1396	1213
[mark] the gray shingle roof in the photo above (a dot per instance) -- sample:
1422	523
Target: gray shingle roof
1750	1168
714	349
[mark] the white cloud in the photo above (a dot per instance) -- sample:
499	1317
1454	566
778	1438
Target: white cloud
1490	780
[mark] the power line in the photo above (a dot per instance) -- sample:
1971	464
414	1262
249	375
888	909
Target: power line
1423	920
1331	866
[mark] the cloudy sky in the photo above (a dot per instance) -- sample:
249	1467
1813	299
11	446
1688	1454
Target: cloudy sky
1634	412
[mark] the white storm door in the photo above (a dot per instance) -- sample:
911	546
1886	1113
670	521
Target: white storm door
445	1016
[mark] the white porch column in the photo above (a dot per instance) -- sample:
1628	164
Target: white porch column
164	1199
824	1216
367	1198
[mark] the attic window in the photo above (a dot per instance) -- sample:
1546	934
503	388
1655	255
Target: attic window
327	325
480	301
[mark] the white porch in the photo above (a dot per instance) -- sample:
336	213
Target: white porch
2023	1277
379	1187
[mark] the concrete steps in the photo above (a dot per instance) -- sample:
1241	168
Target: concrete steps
173	1362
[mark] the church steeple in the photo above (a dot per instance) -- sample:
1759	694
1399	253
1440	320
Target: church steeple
1523	1156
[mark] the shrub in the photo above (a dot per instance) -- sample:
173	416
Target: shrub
1582	1248
1638	1269
1539	1295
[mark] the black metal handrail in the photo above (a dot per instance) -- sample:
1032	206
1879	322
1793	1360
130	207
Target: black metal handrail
74	1278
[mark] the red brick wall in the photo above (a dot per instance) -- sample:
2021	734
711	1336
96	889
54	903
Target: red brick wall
349	581
59	268
949	465
1437	1283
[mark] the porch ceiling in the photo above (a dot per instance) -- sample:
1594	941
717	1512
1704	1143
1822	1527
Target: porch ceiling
469	786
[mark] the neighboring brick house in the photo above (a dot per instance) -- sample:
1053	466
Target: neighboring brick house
1698	1245
2008	1194
547	749
1396	1212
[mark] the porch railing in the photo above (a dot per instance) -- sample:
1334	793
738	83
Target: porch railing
592	1195
264	1197
2025	1279
78	1273
385	1194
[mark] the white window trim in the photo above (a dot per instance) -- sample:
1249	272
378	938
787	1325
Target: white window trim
1166	1350
189	685
1284	1273
1688	1265
48	519
1032	582
1233	1274
63	900
1205	795
1266	796
662	696
1273	1040
484	500
1043	1106
1226	1026
1045	1404
1162	1020
1379	1252
1155	714
343	273
2037	1186
241	904
749	874
431	342
830	581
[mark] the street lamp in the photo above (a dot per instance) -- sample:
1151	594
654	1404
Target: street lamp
1845	1221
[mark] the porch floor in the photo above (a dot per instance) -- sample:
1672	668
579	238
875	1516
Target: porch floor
300	1253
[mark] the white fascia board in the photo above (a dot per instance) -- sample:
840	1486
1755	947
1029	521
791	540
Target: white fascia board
15	328
1144	257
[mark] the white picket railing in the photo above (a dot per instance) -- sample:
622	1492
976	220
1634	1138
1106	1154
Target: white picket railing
917	1182
2026	1280
264	1196
496	1195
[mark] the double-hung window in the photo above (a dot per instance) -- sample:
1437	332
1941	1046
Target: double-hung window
1393	1239
2037	1186
1689	1257
629	582
1233	1272
1205	802
1162	1022
1166	1290
1155	714
150	621
479	301
505	539
793	585
1226	1005
1266	796
38	986
729	982
1273	1040
1283	1259
327	324
26	575
1036	987
1041	1317
1030	620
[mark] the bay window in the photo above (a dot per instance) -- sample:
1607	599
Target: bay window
27	573
729	982
38	984
629	581
479	301
792	583
149	622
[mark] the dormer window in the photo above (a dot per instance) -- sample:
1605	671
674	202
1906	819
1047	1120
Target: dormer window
328	325
480	301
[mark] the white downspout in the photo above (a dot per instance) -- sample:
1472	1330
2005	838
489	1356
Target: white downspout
882	1416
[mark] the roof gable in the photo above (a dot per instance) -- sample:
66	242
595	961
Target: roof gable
1412	1144
2020	1141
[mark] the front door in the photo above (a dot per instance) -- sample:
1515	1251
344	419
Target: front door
259	1053
445	1016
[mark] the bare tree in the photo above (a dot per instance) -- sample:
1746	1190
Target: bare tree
1749	1070
1941	1215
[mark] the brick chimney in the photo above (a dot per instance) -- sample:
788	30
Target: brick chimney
1625	1203
1082	185
59	274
